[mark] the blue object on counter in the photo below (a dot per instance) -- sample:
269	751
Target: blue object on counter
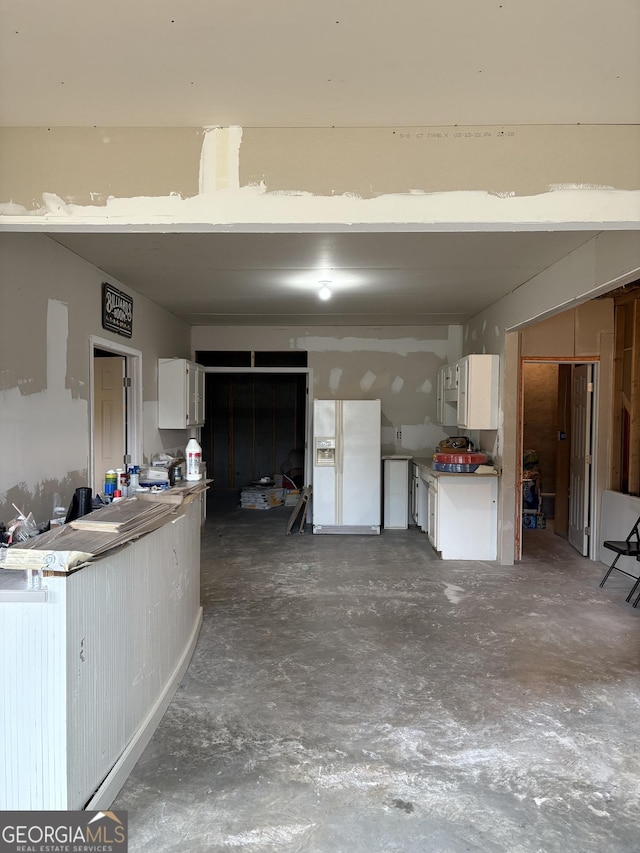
454	468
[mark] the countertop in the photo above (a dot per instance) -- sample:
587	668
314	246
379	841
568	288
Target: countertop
64	550
425	470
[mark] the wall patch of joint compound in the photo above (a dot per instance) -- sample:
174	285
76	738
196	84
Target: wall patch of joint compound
396	346
220	159
335	375
21	418
227	196
367	381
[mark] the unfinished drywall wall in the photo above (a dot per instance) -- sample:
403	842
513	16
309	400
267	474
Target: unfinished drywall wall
51	307
398	365
522	160
87	165
586	329
401	176
573	333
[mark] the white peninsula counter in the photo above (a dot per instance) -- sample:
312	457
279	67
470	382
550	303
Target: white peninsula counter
462	514
90	661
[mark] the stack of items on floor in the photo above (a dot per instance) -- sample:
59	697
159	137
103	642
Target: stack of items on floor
263	494
291	491
532	515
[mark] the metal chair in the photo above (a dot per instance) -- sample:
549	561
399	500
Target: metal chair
629	547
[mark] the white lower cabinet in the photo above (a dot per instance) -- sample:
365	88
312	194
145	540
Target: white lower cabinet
463	516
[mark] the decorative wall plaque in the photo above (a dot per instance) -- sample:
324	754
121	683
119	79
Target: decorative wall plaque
117	310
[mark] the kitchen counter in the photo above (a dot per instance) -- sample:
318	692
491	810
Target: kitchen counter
91	660
424	466
462	513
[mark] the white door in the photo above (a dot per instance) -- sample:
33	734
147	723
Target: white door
325	477
359	463
580	464
109	442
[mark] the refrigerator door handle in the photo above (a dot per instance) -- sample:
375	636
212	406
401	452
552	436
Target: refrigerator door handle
339	461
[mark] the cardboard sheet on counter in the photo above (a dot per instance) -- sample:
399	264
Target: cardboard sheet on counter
42	559
67	547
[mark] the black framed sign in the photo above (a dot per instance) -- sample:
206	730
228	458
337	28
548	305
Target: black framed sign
117	310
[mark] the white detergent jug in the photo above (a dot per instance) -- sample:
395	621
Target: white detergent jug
193	455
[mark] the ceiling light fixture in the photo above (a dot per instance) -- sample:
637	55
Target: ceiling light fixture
325	292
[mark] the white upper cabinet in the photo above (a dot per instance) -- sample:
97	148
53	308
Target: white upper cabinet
468	392
180	393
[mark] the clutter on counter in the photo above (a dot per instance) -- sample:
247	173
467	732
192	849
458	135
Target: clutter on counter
164	475
457	455
65	548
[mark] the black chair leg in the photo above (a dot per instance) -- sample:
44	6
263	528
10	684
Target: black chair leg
633	589
609	570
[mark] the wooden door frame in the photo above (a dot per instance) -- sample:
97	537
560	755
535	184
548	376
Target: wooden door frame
594	517
308	438
133	417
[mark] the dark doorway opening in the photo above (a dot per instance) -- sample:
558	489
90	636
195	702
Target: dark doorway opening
253	422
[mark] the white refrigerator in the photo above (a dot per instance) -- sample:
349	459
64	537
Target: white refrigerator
346	466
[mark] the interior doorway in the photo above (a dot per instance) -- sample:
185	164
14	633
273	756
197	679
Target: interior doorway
256	426
557	448
116	409
109	414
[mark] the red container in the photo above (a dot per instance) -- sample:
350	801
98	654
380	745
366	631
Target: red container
469	457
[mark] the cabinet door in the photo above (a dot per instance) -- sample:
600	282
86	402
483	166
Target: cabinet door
463	392
451	377
432	531
446	396
467	517
478	391
414	493
440	396
195	395
180	393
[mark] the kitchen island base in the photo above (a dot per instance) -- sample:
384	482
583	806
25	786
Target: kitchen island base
89	671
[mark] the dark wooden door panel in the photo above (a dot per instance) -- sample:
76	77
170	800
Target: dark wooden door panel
242	435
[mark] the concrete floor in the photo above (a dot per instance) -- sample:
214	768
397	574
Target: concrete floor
356	694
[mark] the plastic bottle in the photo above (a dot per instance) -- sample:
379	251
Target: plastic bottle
193	454
110	483
122	481
134	479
